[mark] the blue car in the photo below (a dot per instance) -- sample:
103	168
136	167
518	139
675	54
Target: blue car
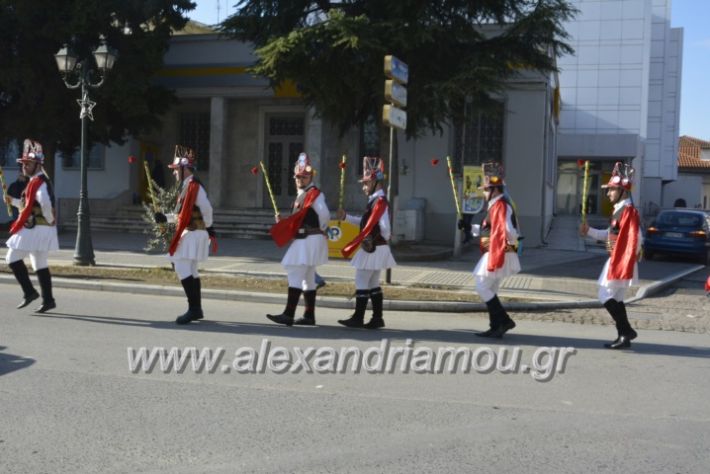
679	232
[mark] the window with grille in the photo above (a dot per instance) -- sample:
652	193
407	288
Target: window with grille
369	140
9	153
195	133
96	156
480	137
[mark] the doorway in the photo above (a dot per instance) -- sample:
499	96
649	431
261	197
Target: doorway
284	141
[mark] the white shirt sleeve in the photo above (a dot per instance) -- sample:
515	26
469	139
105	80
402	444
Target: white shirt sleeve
355	220
321	209
597	234
205	206
385	228
511	233
45	203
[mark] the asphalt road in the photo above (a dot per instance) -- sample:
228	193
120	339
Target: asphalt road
70	403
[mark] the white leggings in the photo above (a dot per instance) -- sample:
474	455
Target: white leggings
487	287
367	279
185	268
38	259
606	293
301	276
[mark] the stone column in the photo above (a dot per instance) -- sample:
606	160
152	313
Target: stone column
218	151
314	143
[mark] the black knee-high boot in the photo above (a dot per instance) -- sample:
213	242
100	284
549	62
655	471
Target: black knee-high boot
45	284
377	299
194	311
612	309
309	315
357	319
22	275
617	310
499	321
294	294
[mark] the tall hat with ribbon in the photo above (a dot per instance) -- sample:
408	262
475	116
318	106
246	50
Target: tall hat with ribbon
303	166
621	177
184	157
493	175
373	169
31	152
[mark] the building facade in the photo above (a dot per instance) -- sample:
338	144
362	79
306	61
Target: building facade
620	96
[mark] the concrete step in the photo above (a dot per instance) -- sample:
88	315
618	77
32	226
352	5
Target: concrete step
233	223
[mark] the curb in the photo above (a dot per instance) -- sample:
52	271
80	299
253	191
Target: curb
342	303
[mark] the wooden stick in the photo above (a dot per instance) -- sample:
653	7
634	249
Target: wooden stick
341	197
268	187
585	191
151	192
4	192
453	187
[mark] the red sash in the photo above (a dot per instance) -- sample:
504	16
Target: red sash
497	242
377	211
623	257
30	194
183	219
286	229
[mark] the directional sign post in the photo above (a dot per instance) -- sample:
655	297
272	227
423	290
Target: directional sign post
394	116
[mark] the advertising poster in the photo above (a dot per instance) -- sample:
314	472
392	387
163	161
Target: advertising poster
472	197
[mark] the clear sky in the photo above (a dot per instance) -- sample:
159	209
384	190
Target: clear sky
691	15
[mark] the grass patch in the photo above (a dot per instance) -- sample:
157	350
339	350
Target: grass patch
221	281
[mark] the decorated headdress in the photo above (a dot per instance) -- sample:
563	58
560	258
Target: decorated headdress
31	152
184	156
373	169
493	175
303	166
621	177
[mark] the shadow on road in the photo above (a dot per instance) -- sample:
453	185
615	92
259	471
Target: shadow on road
333	332
11	362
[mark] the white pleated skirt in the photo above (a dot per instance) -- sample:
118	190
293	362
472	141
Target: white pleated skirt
511	266
380	259
194	245
603	281
311	251
40	238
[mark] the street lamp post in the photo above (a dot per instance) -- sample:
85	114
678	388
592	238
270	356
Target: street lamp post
76	74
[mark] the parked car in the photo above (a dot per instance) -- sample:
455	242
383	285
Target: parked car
679	232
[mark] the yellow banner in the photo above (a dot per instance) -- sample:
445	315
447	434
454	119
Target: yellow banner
340	234
472	198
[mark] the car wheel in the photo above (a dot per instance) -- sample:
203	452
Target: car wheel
706	259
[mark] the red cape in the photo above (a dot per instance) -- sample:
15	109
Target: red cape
377	211
623	257
286	229
185	215
497	242
30	194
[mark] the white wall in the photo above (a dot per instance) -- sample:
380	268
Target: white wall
687	186
105	183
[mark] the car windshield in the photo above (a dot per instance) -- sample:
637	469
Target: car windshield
679	219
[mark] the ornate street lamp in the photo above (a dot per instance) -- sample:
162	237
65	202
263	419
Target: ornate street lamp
80	73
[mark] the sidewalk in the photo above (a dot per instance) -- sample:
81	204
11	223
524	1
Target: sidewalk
550	278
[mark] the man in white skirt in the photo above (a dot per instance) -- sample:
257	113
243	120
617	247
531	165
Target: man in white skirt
305	229
374	254
193	232
34	232
499	243
623	241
